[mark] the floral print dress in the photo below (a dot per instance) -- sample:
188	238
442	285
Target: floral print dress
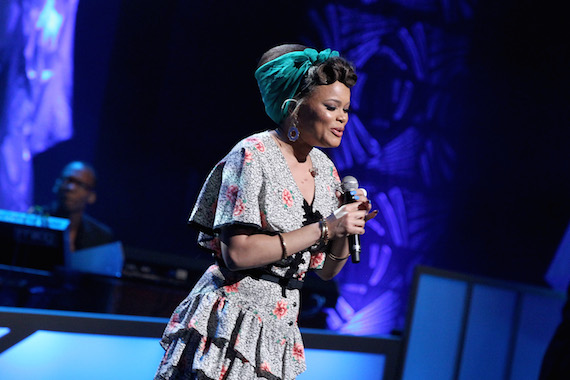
233	325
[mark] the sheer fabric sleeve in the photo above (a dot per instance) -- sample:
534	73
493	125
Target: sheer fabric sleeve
241	182
231	194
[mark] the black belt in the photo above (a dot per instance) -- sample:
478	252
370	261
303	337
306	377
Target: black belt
287	283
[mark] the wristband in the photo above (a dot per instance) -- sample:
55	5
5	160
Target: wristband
324	239
283	246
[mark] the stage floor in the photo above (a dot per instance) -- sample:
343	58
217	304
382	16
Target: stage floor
47	344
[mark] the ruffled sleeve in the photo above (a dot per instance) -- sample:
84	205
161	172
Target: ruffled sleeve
230	194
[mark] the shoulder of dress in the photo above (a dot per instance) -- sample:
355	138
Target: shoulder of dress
246	152
321	158
325	166
256	142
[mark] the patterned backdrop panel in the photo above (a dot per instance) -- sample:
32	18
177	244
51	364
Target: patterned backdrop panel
397	144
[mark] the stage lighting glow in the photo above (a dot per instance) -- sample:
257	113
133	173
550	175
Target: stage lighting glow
4	331
71	356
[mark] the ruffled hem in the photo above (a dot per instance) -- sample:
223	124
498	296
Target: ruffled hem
230	342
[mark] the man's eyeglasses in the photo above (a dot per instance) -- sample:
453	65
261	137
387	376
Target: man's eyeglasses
76	182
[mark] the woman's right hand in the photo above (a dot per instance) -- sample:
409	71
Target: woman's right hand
349	220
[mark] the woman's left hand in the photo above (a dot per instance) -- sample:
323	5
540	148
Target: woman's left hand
365	204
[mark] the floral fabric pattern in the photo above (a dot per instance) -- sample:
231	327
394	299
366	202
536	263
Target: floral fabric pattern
288	199
280	309
231	325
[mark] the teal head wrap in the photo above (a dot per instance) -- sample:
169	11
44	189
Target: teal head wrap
279	79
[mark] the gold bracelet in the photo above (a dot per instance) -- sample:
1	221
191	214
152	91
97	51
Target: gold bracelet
324	232
336	258
283	246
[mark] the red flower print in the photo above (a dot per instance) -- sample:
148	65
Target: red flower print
265	367
175	320
231	193
335	174
260	147
223	372
280	309
248	156
192	323
253	139
287	198
302	275
263	218
298	352
317	260
239	208
214	246
202	346
221	303
233	288
212	269
282	341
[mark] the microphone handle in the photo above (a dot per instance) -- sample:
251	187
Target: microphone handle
354	248
353	240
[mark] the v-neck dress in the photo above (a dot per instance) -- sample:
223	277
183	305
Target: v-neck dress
234	325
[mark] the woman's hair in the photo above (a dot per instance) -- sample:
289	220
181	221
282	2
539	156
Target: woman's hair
278	51
332	70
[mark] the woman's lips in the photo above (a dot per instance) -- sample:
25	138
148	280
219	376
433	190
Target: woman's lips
337	132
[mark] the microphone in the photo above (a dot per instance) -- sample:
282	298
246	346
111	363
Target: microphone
348	184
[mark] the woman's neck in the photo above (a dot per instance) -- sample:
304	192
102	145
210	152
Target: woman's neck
298	149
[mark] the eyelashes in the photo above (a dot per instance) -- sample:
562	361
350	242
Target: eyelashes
334	108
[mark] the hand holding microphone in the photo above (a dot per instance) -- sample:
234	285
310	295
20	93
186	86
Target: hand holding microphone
349	187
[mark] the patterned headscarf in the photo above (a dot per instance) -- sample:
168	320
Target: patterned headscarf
279	79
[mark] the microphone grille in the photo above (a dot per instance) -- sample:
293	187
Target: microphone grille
349	183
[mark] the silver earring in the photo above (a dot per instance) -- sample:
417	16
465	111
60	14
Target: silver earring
293	133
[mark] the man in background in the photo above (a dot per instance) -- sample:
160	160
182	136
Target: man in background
75	190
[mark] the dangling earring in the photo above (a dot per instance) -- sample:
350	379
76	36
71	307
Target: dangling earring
293	133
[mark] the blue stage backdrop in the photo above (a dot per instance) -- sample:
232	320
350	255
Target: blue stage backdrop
36	81
399	143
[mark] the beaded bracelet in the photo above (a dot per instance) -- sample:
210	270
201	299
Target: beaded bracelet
283	246
336	258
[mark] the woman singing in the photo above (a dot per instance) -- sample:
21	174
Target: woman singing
269	211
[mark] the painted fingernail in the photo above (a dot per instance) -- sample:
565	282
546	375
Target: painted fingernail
356	197
352	192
